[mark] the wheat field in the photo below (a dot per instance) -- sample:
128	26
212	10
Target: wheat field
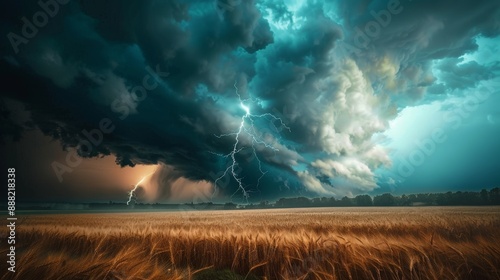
313	243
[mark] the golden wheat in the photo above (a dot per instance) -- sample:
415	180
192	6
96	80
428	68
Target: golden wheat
316	243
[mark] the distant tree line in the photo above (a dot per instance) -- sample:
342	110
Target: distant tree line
438	199
458	198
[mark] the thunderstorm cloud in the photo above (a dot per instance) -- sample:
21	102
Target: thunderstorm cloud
166	74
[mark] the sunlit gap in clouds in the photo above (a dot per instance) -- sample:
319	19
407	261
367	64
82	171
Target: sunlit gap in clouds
162	183
141	183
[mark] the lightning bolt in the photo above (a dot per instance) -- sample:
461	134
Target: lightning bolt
247	126
132	192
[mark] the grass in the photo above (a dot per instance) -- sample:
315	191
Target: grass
325	243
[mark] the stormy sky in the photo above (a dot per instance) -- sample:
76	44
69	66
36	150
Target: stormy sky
236	100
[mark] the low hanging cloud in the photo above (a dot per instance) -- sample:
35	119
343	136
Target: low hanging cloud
87	64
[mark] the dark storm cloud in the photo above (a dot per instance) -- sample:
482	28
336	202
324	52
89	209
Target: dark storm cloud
190	39
457	74
8	125
416	33
88	60
83	61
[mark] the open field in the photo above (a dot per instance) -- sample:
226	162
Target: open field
314	243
